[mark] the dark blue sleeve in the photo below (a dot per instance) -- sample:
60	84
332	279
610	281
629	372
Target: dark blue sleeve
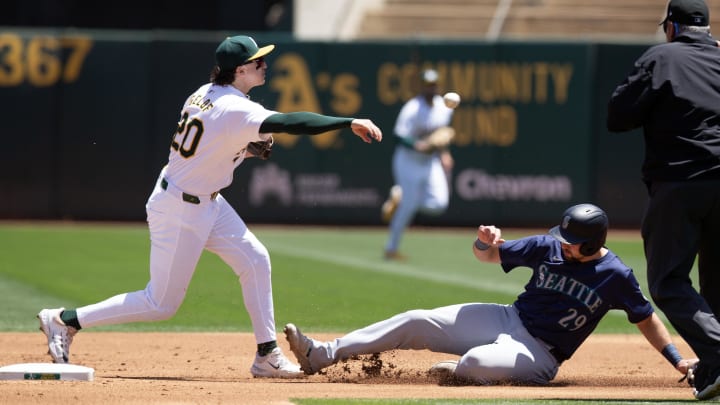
629	297
525	252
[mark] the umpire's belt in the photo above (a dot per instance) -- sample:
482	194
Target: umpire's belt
192	199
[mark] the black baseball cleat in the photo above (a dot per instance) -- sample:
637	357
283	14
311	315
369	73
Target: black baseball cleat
710	391
702	393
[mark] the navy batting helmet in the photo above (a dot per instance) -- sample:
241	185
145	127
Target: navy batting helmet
586	224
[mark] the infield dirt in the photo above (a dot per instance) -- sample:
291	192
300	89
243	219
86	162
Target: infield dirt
200	368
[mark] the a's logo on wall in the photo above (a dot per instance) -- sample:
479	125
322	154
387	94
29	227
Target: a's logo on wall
270	182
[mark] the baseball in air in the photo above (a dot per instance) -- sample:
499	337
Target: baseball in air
451	99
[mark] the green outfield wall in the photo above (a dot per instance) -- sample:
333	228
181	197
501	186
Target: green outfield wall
88	117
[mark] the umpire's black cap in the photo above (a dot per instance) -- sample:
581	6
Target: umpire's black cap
688	12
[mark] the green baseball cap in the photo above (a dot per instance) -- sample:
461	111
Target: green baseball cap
237	50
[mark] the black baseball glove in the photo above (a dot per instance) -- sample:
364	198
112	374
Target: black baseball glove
261	149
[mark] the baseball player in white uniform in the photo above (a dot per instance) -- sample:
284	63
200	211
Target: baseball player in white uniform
420	171
186	213
575	281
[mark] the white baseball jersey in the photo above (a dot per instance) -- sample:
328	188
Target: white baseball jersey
420	175
417	119
215	126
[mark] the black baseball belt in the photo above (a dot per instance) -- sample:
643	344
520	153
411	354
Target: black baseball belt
558	355
192	199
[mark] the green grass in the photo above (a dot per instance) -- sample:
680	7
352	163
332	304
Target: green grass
325	279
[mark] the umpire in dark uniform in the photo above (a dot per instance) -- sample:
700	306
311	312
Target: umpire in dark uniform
673	92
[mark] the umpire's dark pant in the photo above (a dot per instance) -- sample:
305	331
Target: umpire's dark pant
682	220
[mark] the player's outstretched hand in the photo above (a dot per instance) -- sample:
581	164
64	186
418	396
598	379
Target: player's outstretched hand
490	235
366	130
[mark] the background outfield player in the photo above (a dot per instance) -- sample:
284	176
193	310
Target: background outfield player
186	214
421	170
575	281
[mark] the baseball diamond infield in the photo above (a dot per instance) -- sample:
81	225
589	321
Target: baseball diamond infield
181	368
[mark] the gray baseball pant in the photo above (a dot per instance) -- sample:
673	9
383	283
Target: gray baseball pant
490	338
